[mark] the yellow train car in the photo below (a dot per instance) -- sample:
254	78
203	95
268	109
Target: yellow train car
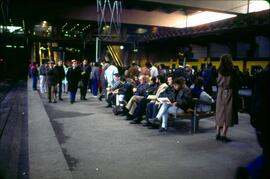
249	64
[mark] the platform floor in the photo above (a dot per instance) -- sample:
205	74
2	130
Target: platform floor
85	140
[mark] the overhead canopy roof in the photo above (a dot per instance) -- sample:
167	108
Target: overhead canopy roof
138	16
226	6
145	12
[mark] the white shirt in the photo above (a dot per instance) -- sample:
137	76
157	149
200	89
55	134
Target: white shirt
153	71
108	74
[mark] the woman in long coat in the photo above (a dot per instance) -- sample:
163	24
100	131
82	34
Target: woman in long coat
224	101
73	77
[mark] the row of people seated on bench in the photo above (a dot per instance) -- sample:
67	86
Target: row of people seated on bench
155	99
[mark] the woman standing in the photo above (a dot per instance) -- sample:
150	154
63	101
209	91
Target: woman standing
224	102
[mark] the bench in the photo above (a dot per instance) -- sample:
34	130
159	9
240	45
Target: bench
193	115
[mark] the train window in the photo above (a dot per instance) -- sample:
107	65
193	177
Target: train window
255	69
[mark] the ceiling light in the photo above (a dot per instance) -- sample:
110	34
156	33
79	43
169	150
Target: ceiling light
141	30
121	47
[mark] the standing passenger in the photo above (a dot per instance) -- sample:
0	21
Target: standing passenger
103	81
34	74
42	77
94	78
224	101
64	82
52	79
73	77
61	75
85	73
109	74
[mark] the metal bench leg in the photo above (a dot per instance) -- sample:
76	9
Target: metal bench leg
194	122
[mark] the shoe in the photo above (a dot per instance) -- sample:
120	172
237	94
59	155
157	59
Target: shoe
162	129
225	139
85	99
135	122
147	124
71	102
108	106
218	137
153	120
61	99
54	101
100	98
130	117
49	101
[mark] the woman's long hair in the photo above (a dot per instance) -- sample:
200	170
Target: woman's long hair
226	66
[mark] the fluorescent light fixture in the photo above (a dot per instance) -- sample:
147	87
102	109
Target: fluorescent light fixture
13	28
256	6
207	17
21	46
9	46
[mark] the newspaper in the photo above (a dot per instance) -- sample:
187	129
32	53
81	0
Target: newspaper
164	100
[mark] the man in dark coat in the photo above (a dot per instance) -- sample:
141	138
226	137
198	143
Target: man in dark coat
73	78
61	75
52	79
85	76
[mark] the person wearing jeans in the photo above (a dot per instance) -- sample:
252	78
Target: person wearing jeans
73	77
180	99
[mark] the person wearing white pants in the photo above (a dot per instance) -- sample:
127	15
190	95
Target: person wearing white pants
163	114
42	84
43	79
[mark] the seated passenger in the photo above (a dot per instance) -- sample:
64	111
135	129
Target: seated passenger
112	91
198	92
140	109
152	106
139	94
180	101
123	94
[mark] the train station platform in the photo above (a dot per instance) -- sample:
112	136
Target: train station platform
85	140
